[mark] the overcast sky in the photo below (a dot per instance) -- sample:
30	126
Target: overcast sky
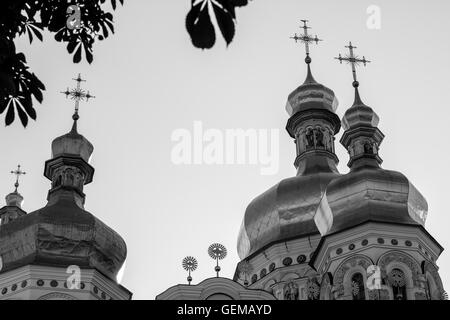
149	81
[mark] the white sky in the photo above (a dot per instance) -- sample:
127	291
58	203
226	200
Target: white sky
149	80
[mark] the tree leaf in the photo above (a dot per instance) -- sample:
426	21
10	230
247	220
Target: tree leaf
22	115
71	46
28	106
9	118
228	6
200	27
30	34
77	55
225	22
239	3
88	53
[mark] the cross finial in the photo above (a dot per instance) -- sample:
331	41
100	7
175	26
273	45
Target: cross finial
306	39
77	94
18	172
354	61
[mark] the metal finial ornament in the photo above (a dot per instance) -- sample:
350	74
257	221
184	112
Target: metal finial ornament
18	172
217	252
245	268
77	94
306	39
189	264
354	60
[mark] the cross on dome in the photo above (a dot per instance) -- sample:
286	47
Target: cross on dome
18	172
354	60
77	94
306	39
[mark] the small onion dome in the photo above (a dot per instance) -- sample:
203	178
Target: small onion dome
370	194
311	95
14	199
62	234
283	212
359	115
72	144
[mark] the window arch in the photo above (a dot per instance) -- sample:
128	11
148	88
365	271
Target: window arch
358	290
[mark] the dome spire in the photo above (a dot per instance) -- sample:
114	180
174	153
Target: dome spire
361	137
306	39
354	60
69	169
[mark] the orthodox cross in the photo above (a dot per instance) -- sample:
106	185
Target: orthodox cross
77	95
306	39
354	61
18	172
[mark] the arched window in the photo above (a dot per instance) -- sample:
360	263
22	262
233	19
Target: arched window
398	282
358	291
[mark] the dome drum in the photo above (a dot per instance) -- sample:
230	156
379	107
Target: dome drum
52	165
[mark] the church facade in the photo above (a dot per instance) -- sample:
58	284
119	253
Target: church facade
324	235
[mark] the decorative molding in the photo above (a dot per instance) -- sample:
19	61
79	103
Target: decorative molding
57	296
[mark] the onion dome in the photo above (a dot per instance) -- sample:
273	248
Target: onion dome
14	199
311	95
367	192
286	211
63	233
73	144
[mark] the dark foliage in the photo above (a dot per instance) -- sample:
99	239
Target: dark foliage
17	84
200	26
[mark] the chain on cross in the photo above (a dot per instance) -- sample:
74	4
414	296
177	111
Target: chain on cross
354	61
18	172
306	39
78	94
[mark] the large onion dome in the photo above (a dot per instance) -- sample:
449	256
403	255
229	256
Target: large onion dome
367	192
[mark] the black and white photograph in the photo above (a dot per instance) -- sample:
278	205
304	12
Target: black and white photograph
246	150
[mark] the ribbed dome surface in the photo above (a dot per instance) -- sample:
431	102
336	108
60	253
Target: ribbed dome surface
311	95
284	211
73	144
370	194
62	234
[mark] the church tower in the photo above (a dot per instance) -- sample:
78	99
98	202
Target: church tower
323	235
61	251
374	244
278	235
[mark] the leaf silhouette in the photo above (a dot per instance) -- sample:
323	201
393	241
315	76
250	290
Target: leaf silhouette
22	115
9	118
200	27
225	21
18	86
